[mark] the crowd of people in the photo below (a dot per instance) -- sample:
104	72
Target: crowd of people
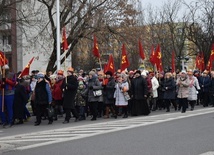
101	95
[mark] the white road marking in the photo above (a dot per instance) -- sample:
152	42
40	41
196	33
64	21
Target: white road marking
207	153
37	139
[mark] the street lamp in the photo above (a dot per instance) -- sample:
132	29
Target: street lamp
183	59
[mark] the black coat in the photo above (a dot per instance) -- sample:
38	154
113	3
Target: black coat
69	91
170	92
212	86
19	102
139	88
109	91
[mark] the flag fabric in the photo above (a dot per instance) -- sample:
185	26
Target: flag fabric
199	62
26	69
152	57
110	65
211	59
64	40
3	59
124	59
141	50
158	59
173	62
209	67
95	49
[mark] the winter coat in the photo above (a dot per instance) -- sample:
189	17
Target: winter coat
193	89
79	99
204	83
19	102
57	91
42	93
108	92
120	88
69	91
155	85
169	89
212	86
183	87
139	88
160	89
93	84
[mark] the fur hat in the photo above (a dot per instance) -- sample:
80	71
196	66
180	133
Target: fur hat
109	73
138	71
40	75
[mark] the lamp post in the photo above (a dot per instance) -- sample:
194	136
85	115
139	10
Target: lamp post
183	59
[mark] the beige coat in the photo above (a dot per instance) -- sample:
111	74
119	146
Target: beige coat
183	87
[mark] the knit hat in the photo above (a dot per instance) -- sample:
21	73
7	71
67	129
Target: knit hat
40	75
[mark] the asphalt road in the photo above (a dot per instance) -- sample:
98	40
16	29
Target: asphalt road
164	134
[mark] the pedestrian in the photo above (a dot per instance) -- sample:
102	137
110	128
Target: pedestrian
109	94
69	88
154	91
57	94
121	90
183	90
212	88
140	91
43	98
193	89
7	91
20	101
169	89
93	86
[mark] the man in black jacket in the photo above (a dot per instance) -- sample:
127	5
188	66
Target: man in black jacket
140	91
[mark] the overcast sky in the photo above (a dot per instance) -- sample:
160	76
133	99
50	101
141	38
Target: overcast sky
157	3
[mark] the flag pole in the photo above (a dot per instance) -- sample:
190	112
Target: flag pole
3	80
58	35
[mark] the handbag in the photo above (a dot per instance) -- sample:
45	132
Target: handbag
50	110
97	93
126	95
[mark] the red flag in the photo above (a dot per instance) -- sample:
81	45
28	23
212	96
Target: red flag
152	58
173	62
141	51
26	69
64	40
110	65
124	59
96	50
158	59
3	59
209	65
212	52
200	61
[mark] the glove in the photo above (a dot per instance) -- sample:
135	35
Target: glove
91	87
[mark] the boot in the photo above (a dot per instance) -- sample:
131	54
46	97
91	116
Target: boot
107	113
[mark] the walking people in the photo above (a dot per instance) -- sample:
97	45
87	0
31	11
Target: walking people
121	94
183	90
43	98
69	88
140	91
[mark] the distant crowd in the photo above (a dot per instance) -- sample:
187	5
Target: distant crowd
101	94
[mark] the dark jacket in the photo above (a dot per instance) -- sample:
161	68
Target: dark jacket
204	83
170	92
69	91
42	93
212	86
139	88
19	102
93	84
109	91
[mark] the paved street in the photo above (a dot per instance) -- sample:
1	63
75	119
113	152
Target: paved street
160	133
